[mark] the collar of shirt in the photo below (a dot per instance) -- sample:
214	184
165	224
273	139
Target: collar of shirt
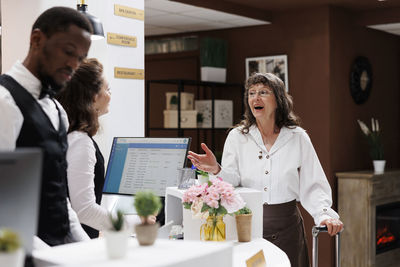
25	78
284	136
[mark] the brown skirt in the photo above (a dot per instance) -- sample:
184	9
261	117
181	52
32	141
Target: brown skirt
283	226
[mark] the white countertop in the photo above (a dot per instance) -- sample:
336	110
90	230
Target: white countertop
164	252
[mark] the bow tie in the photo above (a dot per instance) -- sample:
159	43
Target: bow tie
46	91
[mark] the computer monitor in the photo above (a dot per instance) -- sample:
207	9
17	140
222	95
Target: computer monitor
140	163
20	179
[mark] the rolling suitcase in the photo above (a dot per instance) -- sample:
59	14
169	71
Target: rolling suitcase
315	232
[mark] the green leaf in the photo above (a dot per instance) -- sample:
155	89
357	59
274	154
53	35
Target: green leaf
205	208
187	205
221	210
9	240
213	52
147	203
244	210
118	221
202	173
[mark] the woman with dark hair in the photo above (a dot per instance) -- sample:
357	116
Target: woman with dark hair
268	151
85	98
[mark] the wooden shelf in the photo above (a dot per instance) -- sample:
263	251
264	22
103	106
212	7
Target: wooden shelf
215	88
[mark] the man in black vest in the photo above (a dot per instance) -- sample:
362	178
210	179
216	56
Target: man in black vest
30	117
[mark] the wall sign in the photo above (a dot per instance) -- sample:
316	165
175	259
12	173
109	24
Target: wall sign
129	12
121	39
258	260
125	73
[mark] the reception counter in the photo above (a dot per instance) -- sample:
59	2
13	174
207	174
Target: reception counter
177	253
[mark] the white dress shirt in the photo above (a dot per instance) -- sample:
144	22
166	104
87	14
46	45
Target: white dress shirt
81	157
290	170
11	121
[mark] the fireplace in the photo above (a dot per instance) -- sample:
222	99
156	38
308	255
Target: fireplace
369	206
387	227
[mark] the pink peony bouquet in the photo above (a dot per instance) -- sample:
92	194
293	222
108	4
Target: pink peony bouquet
213	198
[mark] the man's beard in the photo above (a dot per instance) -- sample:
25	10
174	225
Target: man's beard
47	80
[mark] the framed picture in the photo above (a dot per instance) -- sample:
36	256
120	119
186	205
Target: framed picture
274	64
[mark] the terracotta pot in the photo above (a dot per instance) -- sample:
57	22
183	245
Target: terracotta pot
243	227
146	234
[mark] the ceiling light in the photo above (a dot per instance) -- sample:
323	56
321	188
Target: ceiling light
97	26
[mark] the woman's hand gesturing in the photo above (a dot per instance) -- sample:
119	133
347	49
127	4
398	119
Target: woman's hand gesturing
205	162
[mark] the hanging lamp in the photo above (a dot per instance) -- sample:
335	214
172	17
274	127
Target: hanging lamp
97	26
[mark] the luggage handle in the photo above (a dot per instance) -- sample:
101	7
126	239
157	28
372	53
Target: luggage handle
315	232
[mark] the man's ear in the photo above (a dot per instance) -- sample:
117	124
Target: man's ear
37	38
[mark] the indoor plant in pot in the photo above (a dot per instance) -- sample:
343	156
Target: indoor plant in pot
202	176
213	59
146	204
376	151
11	252
117	237
243	224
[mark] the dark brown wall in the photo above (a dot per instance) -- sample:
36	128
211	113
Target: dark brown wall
321	44
348	147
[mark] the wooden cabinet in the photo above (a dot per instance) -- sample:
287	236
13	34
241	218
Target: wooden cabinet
359	195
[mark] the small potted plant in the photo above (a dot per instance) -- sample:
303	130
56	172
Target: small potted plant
243	224
117	237
213	59
202	176
147	204
376	151
173	102
199	120
11	252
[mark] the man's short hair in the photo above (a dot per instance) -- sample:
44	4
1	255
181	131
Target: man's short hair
59	19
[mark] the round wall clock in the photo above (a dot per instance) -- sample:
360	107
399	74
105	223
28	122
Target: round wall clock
360	79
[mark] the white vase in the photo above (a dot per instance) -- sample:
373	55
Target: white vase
379	166
12	259
116	243
202	179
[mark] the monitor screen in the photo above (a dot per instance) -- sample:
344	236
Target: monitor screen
139	163
20	180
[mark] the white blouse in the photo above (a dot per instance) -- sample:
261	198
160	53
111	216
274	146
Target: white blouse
290	170
81	157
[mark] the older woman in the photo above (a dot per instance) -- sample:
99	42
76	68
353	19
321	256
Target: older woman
268	151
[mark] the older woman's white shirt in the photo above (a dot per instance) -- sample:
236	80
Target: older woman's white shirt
290	170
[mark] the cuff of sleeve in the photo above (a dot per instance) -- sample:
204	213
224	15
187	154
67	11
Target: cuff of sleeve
326	213
213	176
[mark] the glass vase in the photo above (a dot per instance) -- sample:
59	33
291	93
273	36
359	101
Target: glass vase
213	229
